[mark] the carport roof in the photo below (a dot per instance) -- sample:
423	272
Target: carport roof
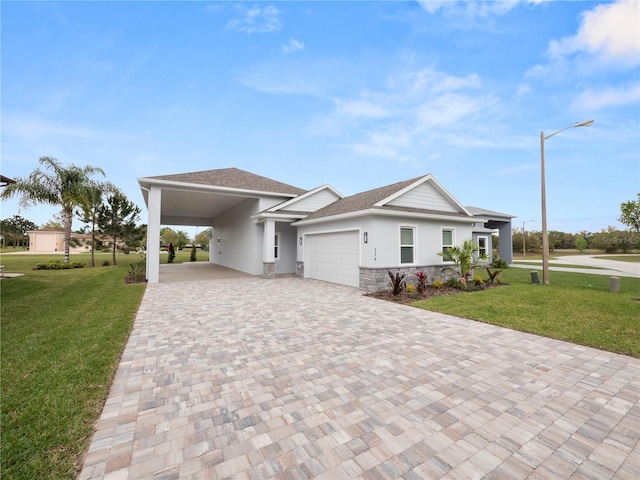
228	178
196	198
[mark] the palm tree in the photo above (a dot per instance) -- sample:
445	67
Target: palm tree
465	257
61	186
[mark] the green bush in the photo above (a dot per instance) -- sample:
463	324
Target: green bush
499	263
58	265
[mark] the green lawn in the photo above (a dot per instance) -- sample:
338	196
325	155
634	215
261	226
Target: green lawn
575	307
62	334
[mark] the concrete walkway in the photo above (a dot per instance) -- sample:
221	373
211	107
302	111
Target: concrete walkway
594	266
295	379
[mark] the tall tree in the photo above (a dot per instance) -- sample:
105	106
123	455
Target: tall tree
118	217
16	229
90	209
630	214
56	185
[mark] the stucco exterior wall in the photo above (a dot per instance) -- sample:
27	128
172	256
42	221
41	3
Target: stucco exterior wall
237	239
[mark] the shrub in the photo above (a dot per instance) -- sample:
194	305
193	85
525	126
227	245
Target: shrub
106	263
452	282
422	281
137	272
397	282
58	265
172	254
437	283
499	263
477	279
410	288
193	257
493	275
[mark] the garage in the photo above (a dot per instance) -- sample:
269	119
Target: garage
333	257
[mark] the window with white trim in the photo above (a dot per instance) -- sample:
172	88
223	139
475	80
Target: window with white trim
407	240
483	242
276	247
447	243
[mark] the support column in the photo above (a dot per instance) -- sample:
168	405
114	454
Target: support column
153	235
268	249
506	243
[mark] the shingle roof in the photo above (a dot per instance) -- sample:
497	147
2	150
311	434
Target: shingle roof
360	201
368	200
232	178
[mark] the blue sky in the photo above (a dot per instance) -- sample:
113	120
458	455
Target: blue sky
354	94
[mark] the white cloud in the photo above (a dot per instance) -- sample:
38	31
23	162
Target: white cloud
33	128
590	100
257	20
610	32
292	46
359	108
472	8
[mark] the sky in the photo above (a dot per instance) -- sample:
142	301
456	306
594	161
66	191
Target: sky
357	95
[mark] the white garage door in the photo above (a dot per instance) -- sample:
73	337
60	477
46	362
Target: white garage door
333	257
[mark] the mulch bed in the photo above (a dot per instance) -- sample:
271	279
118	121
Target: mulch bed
429	292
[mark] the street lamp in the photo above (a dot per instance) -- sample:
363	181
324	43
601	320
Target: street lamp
545	236
524	251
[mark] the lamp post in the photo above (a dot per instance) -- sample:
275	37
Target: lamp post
545	236
524	251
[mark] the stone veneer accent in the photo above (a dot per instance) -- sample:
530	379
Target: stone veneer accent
300	269
268	270
377	279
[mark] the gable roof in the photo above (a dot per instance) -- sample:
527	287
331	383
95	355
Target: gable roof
379	199
232	178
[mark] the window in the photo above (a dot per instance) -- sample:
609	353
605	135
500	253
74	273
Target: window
406	244
482	244
276	247
447	243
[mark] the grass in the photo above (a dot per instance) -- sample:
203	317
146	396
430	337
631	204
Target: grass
574	307
62	334
623	258
555	264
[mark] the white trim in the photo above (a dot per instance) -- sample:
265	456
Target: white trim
453	241
387	213
287	203
190	187
414	255
486	246
261	217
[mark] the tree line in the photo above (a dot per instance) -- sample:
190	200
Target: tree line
609	240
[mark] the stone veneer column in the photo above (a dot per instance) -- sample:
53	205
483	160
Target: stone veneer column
268	270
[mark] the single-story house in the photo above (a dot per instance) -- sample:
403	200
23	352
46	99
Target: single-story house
48	240
265	227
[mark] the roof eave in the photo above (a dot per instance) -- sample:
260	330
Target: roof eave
390	213
146	182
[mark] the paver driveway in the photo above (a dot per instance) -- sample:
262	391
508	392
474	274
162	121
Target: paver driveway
292	378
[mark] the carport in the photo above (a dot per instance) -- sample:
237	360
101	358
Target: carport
228	197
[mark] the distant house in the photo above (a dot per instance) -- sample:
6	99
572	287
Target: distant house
264	227
52	241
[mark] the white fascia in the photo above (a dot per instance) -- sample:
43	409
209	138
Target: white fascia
190	187
280	217
390	213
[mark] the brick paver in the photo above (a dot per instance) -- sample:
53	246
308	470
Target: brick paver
295	379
